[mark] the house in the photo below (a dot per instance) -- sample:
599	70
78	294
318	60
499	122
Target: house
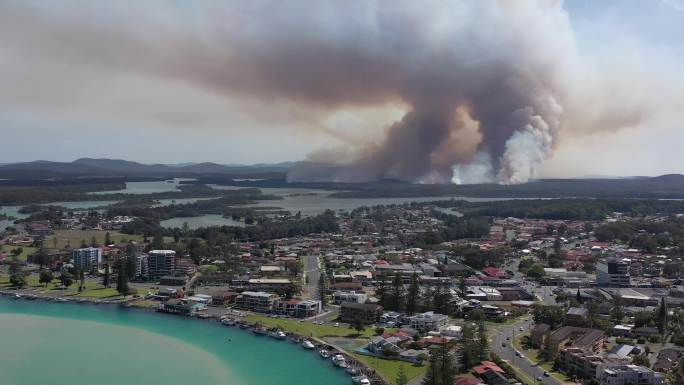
462	380
644	331
381	346
429	321
668	360
576	315
368	313
413	355
182	306
484	366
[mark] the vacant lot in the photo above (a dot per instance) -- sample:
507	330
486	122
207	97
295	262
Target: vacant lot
26	250
73	238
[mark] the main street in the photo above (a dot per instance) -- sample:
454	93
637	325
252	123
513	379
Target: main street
505	336
311	276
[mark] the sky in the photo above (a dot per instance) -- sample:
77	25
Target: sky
262	82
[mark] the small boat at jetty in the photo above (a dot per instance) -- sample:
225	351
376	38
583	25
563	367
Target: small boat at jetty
278	334
308	345
324	353
228	322
361	380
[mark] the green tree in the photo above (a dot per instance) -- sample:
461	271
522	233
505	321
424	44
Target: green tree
81	278
66	279
105	276
535	271
641	360
446	367
397	298
359	325
108	238
413	291
122	277
17	274
93	242
322	288
617	313
45	277
662	316
432	376
482	344
401	376
381	291
468	357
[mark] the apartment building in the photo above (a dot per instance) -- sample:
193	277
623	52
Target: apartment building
86	257
161	262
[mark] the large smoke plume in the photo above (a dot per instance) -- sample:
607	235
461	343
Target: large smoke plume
487	86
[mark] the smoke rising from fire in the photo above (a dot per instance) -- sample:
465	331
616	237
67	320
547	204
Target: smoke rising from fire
488	88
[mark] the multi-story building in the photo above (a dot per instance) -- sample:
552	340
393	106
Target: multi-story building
297	308
628	375
588	340
429	321
142	269
578	362
161	262
613	272
349	296
87	257
258	301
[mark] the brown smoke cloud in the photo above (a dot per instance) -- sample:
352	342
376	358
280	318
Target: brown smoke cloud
488	86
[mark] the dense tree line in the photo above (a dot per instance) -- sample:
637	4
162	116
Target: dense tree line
645	235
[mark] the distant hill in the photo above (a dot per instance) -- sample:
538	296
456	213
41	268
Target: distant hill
89	167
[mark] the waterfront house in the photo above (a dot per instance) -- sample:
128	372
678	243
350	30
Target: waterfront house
258	301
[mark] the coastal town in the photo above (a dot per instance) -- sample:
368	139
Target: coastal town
396	294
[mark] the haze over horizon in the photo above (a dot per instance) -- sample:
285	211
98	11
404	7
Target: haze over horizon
505	92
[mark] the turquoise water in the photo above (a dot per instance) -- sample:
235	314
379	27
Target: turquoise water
72	344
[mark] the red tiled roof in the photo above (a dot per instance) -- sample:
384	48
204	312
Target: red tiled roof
487	365
466	381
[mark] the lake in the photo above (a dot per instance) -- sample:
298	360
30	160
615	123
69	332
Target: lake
201	221
72	344
148	187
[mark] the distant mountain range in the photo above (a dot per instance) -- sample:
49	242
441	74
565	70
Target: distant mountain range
117	167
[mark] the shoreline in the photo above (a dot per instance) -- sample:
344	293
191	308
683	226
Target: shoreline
370	373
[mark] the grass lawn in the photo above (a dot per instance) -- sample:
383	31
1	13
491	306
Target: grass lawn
91	288
308	328
73	238
388	369
26	250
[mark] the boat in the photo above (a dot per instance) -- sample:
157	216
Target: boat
228	322
324	353
308	345
278	334
352	371
339	361
361	380
260	331
17	296
243	326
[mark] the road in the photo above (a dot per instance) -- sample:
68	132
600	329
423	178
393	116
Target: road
505	336
312	272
